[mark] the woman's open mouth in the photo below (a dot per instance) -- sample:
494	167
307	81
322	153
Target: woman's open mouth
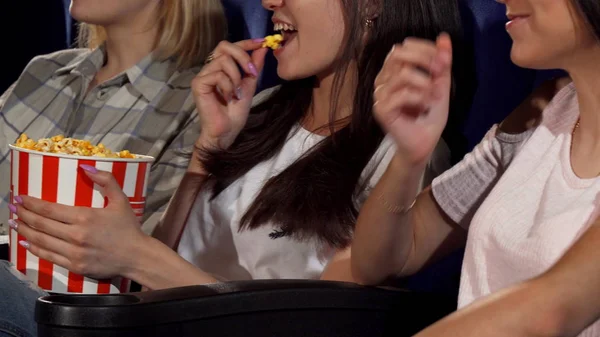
286	30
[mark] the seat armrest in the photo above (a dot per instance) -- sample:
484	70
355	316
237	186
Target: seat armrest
228	307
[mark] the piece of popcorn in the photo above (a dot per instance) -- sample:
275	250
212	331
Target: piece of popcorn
273	41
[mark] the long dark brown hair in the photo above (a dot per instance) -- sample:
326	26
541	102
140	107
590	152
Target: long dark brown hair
315	196
590	9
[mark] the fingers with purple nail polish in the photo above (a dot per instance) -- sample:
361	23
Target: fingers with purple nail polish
89	168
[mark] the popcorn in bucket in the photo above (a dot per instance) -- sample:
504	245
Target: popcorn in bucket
57	177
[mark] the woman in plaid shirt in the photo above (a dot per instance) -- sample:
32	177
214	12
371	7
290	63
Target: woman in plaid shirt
128	87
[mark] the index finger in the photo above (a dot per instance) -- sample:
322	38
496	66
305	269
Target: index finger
250	45
50	210
239	52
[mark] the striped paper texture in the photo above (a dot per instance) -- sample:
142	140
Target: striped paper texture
61	180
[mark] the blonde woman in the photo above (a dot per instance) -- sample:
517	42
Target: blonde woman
127	87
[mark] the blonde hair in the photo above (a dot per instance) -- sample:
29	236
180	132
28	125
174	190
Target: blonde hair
189	30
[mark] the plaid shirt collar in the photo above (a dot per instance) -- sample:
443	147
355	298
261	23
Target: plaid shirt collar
148	76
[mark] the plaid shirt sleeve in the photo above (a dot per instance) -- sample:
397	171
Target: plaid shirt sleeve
5	95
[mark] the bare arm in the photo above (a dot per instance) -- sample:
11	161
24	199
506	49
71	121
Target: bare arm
391	238
160	267
386	243
220	122
562	302
159	259
338	269
171	225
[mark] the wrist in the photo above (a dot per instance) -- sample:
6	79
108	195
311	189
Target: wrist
406	170
159	267
207	143
195	165
140	259
400	186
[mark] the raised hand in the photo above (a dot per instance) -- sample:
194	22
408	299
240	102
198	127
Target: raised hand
223	95
412	95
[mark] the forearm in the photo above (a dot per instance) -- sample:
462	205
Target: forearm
159	267
175	217
562	302
195	165
338	268
526	310
575	284
383	239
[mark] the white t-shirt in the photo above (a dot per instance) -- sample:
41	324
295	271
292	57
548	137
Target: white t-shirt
211	239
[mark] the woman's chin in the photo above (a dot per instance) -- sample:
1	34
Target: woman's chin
529	59
287	74
292	71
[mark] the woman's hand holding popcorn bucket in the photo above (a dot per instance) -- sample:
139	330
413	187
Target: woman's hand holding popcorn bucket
76	215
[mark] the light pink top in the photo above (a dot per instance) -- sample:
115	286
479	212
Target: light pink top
522	202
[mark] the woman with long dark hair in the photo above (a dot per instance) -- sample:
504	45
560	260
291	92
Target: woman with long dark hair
276	181
527	195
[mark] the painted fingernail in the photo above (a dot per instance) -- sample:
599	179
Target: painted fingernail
24	244
89	168
12	208
13	224
238	93
258	40
252	68
19	200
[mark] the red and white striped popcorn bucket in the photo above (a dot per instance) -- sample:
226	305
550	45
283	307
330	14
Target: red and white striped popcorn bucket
58	178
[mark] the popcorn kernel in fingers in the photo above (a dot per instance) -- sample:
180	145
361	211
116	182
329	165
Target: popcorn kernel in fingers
273	41
61	145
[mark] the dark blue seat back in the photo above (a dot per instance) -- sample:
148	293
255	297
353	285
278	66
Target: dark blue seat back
45	33
501	84
249	20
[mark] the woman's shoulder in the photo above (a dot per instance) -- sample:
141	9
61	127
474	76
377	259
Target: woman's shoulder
545	105
42	67
49	63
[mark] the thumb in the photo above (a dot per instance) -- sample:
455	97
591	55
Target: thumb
107	183
258	58
444	54
443	75
251	82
